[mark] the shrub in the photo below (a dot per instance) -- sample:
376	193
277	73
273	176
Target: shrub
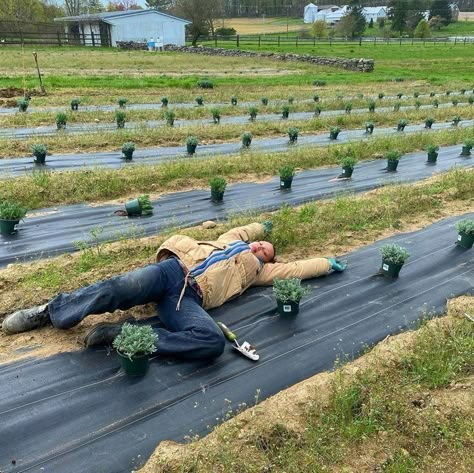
293	134
334	132
348	161
456	120
455	102
381	95
136	340
199	100
225	31
286	172
164	101
122	102
316	98
291	100
319	83
435	103
246	139
465	226
12	210
371	105
216	115
128	147
218	185
317	110
399	95
264	101
348	107
285	111
471	100
416	95
192	141
205	84
417	104
75	104
145	204
170	117
23	105
402	123
429	122
394	254
289	290
396	106
61	120
253	111
469	143
432	148
393	155
120	118
39	149
369	127
233	100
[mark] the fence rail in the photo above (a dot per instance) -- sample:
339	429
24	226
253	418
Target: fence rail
58	38
283	40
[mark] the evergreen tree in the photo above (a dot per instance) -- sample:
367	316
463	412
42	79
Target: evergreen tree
357	18
422	30
442	8
398	14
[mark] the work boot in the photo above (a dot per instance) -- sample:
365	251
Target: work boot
104	333
26	319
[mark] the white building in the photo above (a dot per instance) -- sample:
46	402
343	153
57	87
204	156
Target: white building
310	12
130	25
324	11
374	13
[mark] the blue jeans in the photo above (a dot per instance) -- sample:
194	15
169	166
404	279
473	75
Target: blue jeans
189	332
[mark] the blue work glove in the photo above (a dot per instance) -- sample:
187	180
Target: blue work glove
337	265
268	225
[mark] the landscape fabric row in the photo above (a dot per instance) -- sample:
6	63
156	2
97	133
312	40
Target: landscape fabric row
48	130
78	412
55	231
14	167
158	106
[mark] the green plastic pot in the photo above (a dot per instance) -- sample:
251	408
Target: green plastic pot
217	196
401	127
286	183
432	157
7	227
191	149
74	107
40	158
369	130
137	366
333	135
285	115
392	165
128	155
288	308
347	171
133	207
465	240
391	270
466	151
246	143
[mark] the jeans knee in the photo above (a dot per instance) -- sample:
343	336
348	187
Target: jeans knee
217	344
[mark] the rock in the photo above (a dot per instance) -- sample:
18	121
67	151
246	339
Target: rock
209	224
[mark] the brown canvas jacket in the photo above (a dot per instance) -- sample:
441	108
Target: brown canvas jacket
230	278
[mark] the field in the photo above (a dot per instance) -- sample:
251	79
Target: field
406	406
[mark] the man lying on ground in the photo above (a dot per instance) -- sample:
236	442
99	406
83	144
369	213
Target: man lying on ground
188	278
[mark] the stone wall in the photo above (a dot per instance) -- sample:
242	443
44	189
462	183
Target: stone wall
132	45
360	65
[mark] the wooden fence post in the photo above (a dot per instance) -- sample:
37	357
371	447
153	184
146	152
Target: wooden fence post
93	39
59	38
238	40
259	40
215	41
296	41
278	40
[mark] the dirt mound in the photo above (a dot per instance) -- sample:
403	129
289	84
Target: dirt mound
10	92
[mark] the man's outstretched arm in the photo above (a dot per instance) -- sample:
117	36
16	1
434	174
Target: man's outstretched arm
247	233
302	269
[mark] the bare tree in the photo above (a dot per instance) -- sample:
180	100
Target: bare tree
74	7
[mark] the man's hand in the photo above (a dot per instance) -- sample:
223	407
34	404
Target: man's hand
337	265
268	225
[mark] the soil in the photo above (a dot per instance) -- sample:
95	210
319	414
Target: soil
284	408
10	92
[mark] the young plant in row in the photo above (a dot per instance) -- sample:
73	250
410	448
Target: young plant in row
170	117
463	91
456	120
133	345
164	101
205	84
455	102
393	158
417	104
191	144
381	95
253	111
471	100
291	99
216	115
339	96
465	230
199	100
120	118
371	104
393	258
435	103
285	112
246	139
360	96
75	104
293	135
140	206
319	83
396	106
128	149
264	101
218	185
348	107
39	150
369	128
467	147
61	120
288	293
402	124
316	98
399	95
348	164
287	172
416	94
122	102
233	100
23	104
334	132
429	123
10	215
432	151
317	110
